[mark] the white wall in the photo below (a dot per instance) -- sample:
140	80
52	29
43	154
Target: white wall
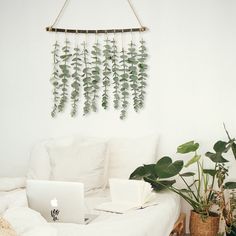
192	47
192	73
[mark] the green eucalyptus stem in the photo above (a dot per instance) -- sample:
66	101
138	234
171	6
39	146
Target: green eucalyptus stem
115	75
86	80
124	84
55	78
133	76
96	71
106	73
76	63
142	74
65	75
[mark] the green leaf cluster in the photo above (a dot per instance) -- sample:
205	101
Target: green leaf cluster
142	74
96	73
83	72
87	80
55	78
115	75
133	75
65	75
76	83
124	84
203	187
107	53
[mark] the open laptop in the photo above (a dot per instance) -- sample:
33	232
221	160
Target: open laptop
47	197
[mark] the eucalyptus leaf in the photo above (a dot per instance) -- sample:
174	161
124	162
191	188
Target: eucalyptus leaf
133	75
55	78
76	80
124	85
142	75
107	54
115	75
96	79
65	75
86	80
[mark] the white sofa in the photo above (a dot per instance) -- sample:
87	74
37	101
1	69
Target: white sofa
93	161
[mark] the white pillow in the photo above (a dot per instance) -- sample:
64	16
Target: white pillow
125	155
40	166
11	183
26	221
83	162
16	198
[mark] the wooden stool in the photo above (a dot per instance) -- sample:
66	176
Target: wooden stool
179	227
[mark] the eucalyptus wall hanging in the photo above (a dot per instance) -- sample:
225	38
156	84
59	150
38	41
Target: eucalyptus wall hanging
109	71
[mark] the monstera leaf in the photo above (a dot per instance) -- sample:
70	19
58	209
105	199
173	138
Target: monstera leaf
165	168
158	185
142	171
220	146
234	149
193	160
211	172
230	185
188	147
216	157
187	174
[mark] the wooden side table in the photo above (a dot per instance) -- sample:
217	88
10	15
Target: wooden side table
179	227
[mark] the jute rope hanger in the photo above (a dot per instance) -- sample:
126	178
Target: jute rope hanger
52	28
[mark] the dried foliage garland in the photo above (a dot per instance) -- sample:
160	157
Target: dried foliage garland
84	72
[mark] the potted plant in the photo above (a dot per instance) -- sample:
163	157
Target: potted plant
225	195
199	184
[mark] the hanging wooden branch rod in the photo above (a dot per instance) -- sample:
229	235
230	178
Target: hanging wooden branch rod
52	29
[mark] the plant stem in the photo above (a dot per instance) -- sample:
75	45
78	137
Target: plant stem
192	193
199	177
212	185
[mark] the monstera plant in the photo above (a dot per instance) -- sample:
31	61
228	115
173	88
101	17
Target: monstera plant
201	187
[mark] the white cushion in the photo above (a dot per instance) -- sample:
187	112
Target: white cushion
27	222
39	165
16	198
81	162
125	155
8	183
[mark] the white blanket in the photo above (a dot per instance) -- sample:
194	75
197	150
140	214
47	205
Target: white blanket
156	220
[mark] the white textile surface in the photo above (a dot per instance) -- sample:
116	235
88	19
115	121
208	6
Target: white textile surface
155	220
16	198
8	184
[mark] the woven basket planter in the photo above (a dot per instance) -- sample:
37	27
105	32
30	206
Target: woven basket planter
208	227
